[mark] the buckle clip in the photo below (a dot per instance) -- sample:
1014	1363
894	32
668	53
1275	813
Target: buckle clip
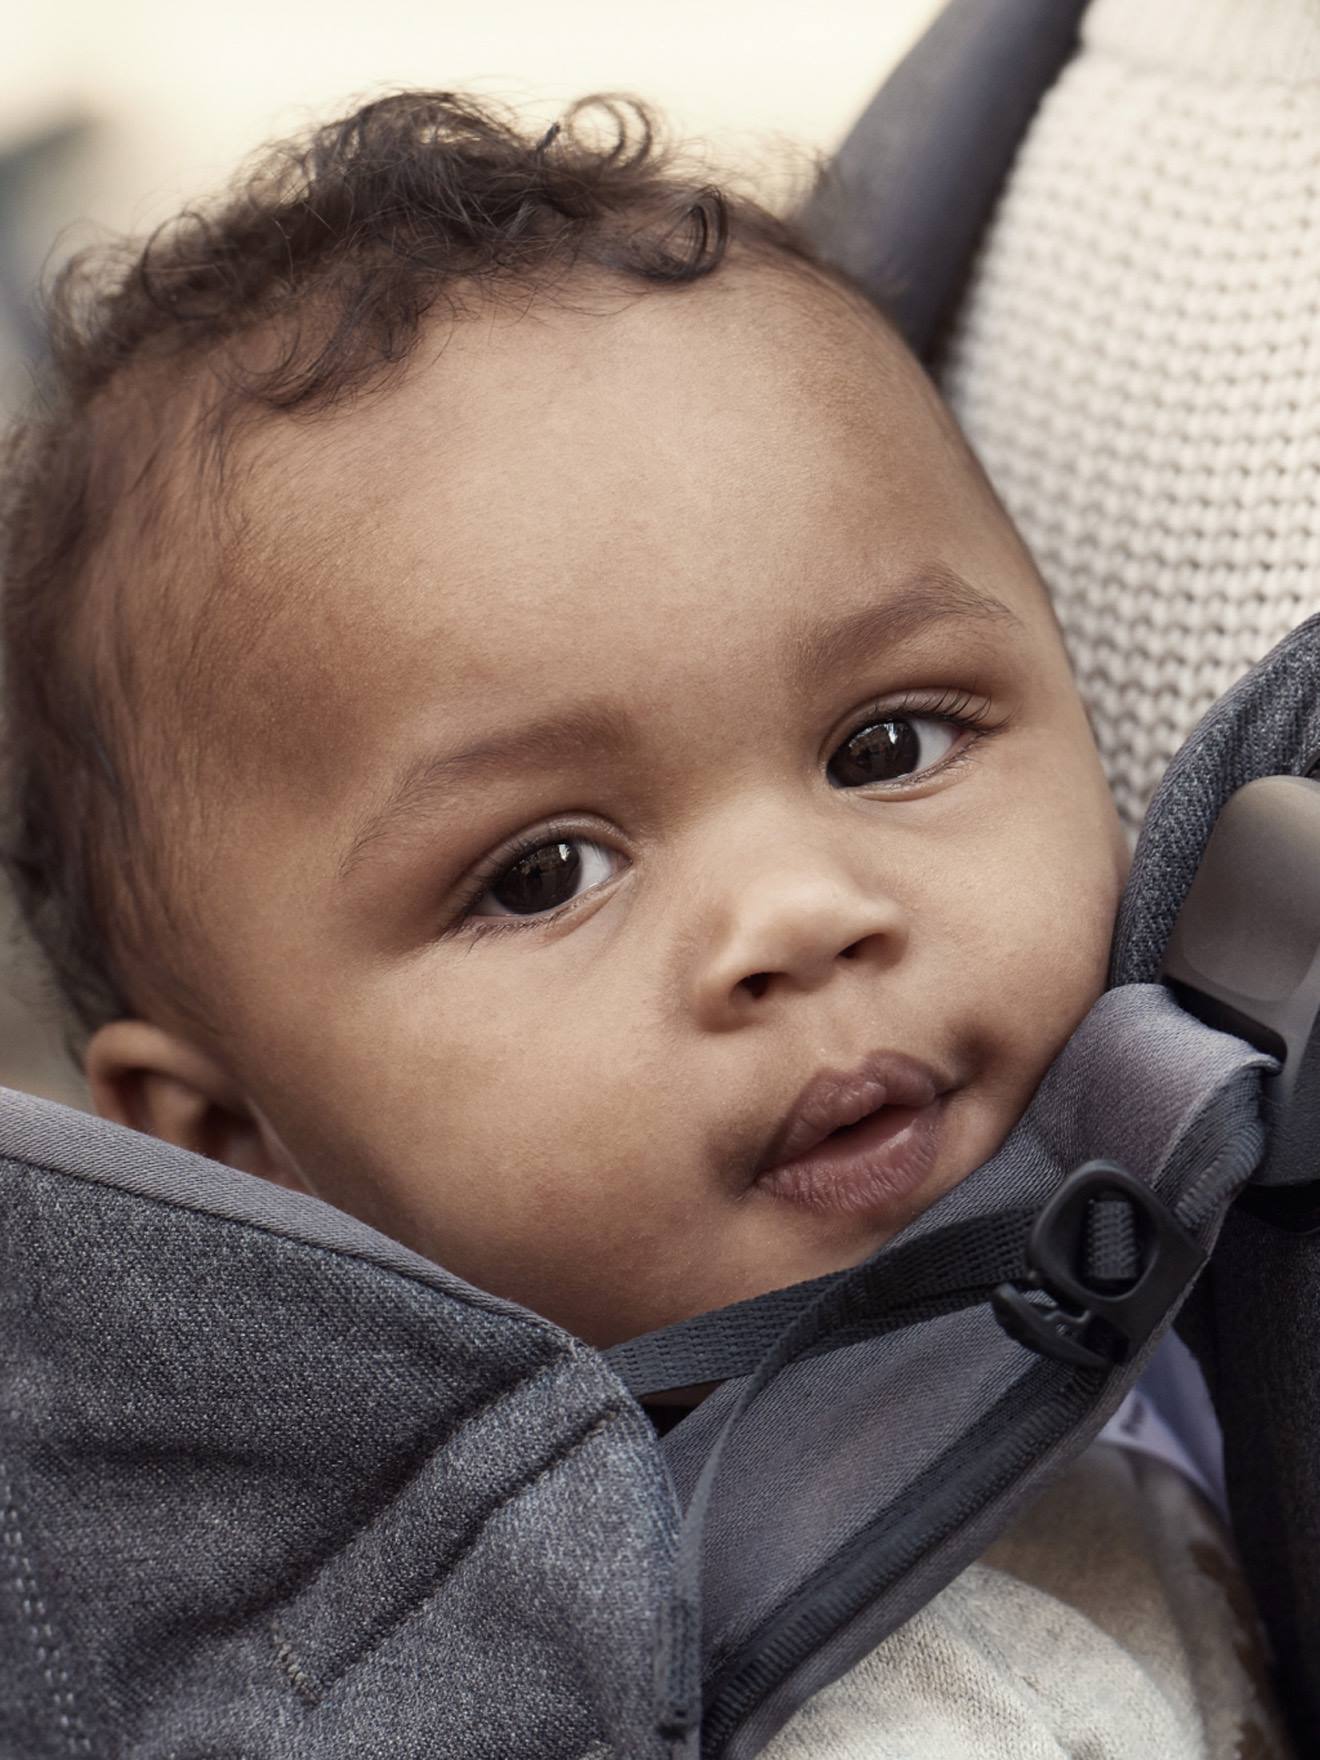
1110	1259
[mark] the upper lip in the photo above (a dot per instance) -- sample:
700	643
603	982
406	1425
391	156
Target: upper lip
833	1099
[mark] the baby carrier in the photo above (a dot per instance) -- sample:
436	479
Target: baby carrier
273	1486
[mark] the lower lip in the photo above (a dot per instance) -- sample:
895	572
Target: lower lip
871	1169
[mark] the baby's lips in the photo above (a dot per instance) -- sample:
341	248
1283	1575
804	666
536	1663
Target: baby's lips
833	1099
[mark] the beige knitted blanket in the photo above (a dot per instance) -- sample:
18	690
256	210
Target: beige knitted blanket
1138	359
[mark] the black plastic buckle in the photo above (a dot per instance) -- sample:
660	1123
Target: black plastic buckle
1082	1322
1244	956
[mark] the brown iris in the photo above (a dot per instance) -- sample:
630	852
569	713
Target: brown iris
880	752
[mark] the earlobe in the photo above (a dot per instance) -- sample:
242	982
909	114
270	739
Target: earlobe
153	1081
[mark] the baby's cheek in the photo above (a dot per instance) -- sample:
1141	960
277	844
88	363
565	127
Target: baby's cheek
1042	964
1066	974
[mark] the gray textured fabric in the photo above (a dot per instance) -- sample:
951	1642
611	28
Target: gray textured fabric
266	1493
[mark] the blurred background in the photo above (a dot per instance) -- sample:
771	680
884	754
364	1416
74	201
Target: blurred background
114	115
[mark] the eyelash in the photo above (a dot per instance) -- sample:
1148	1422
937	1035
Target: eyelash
959	708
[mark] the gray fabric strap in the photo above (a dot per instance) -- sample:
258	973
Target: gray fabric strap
931	1276
1182	1103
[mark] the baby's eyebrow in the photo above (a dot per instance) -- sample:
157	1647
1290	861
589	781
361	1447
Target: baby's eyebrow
585	728
937	595
816	650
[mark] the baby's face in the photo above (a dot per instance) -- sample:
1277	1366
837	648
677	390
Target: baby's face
665	715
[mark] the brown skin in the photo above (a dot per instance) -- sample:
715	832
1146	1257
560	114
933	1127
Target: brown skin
645	509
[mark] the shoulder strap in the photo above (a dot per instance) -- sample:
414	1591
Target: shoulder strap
1030	1297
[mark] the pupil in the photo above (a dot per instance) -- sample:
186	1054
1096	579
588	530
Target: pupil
540	880
880	753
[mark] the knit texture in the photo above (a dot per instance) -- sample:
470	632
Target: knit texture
1137	360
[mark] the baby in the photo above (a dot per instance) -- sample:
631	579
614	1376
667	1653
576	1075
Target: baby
527	715
528	723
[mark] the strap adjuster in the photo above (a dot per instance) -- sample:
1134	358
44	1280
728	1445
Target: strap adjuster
1098	1310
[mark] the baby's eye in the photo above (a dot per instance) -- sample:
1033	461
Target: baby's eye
892	747
543	876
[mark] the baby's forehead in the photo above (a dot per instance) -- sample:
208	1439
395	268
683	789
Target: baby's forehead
541	406
772	318
525	457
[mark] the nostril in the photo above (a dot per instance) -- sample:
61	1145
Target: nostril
851	952
757	983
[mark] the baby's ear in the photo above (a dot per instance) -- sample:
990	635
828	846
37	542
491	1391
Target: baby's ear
154	1081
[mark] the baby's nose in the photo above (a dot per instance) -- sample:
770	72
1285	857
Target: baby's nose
792	932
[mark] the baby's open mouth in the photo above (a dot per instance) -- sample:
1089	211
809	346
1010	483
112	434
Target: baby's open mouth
895	1117
858	1140
874	1164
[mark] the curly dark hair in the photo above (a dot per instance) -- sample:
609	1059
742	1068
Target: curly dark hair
307	285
